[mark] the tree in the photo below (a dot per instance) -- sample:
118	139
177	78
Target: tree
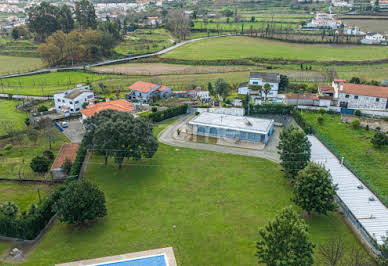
253	19
379	139
85	14
294	150
283	84
66	166
49	155
42	108
15	33
314	191
332	251
48	130
179	23
80	201
356	123
355	80
210	88
221	87
285	241
9	209
65	19
39	164
120	135
267	89
43	19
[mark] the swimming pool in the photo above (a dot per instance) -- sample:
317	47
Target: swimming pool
157	260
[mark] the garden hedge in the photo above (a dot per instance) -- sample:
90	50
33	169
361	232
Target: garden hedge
168	113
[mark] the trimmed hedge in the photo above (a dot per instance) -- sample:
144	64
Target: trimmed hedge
271	109
168	113
79	159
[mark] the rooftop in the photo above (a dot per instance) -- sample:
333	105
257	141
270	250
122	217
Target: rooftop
146	87
243	123
68	151
118	105
266	77
366	90
74	94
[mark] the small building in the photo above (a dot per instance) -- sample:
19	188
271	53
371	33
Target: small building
146	92
71	101
307	100
373	38
118	105
67	151
240	128
259	79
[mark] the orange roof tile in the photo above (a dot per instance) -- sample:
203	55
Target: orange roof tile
68	151
326	88
366	90
142	86
118	105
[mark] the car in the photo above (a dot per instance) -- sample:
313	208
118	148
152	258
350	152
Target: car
216	103
65	125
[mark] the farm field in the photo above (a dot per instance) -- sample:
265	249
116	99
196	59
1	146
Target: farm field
20	48
201	203
144	41
23	195
14	64
364	72
245	47
47	84
9	113
369	161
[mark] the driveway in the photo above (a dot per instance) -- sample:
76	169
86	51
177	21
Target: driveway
167	137
75	131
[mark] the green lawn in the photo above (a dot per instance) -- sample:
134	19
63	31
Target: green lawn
23	195
47	84
244	47
9	113
364	72
208	206
15	64
355	146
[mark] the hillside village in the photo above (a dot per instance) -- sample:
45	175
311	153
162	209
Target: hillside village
193	133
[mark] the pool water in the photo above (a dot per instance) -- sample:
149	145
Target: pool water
158	260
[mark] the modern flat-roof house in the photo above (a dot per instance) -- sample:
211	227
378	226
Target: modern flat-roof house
234	127
145	92
356	96
118	105
68	151
72	100
259	79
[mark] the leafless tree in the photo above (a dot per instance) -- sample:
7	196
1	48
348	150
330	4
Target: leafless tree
332	251
358	257
179	23
48	130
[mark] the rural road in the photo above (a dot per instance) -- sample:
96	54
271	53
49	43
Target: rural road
110	62
28	97
166	137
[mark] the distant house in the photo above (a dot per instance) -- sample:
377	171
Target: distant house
307	99
146	92
152	21
67	151
259	79
373	38
118	105
323	21
72	100
357	96
196	93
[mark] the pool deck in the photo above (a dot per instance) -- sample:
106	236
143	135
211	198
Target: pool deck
168	252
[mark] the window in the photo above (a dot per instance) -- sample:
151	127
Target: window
77	109
377	99
347	96
76	102
72	110
59	100
213	131
356	97
255	83
90	96
63	101
71	102
201	130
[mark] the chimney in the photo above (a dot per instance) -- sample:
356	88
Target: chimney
341	87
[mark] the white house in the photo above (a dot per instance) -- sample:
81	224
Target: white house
145	92
71	101
260	79
373	38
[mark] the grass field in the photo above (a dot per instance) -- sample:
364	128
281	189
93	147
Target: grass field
23	195
244	47
145	41
364	72
20	48
207	206
47	84
355	146
14	64
9	113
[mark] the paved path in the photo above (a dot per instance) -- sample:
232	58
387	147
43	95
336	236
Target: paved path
29	97
110	62
166	137
372	215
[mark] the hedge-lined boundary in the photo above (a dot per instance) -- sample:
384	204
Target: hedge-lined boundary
270	109
29	226
168	113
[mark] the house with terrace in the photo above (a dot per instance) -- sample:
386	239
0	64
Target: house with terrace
71	101
255	87
146	92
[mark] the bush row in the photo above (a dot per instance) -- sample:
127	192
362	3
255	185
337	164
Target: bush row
79	159
168	113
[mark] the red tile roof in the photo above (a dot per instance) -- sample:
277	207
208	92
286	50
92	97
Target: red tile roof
118	105
68	151
325	87
366	90
339	80
142	86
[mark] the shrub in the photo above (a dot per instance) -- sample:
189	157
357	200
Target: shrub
197	113
367	127
356	123
66	166
9	209
320	120
27	121
168	113
322	111
379	139
8	147
79	159
39	164
49	155
42	108
357	112
154	109
80	202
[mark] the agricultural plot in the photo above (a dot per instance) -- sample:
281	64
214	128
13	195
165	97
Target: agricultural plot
20	48
15	64
245	47
9	114
364	72
144	41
